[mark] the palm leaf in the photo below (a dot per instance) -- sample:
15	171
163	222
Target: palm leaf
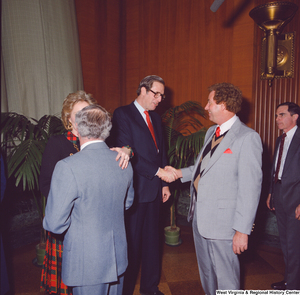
14	126
24	164
184	132
185	136
50	125
24	141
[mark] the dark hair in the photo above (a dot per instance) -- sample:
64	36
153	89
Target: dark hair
93	121
148	81
229	94
293	109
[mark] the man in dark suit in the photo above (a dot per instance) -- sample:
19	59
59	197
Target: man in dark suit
137	126
284	196
87	199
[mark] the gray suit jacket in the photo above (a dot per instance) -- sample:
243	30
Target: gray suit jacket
87	201
230	187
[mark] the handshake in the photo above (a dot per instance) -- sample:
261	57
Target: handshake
169	174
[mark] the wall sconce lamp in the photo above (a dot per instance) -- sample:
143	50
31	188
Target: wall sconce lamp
277	59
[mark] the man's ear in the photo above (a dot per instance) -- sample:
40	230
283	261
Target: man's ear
296	116
223	106
143	90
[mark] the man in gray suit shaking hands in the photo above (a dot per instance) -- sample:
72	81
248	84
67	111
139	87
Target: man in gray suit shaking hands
87	200
225	190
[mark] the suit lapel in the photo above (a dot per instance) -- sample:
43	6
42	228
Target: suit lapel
208	139
224	145
156	127
275	153
140	120
138	117
293	148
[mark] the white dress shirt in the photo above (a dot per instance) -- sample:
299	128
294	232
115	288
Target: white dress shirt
287	142
89	142
227	125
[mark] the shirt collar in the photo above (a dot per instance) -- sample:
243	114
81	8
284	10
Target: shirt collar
90	142
139	107
227	125
291	132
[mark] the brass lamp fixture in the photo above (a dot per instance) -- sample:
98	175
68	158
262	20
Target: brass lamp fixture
277	60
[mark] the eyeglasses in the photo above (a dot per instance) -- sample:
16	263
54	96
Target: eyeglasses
158	94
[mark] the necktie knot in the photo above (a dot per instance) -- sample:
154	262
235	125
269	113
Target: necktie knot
218	130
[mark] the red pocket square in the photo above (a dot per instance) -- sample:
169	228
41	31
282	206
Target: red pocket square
228	151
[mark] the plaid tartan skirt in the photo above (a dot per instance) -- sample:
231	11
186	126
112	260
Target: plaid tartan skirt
51	280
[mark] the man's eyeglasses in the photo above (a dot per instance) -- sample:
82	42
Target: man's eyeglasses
158	94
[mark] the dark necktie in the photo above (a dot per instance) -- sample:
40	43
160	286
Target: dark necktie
206	155
279	156
150	126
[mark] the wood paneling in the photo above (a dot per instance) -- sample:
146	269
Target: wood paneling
182	41
189	46
267	98
100	45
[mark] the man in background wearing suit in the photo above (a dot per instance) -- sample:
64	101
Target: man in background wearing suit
138	126
87	200
284	196
225	190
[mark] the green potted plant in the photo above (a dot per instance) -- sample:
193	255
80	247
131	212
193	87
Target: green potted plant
185	136
23	142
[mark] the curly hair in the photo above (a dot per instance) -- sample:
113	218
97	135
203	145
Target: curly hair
69	103
229	94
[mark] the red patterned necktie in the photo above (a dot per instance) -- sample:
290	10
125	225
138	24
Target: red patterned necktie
218	131
279	156
150	126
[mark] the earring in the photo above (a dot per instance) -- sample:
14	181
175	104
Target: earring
69	126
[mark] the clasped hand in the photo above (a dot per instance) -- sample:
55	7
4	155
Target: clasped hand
168	174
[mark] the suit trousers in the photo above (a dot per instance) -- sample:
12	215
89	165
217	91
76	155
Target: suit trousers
289	234
142	226
219	267
101	289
